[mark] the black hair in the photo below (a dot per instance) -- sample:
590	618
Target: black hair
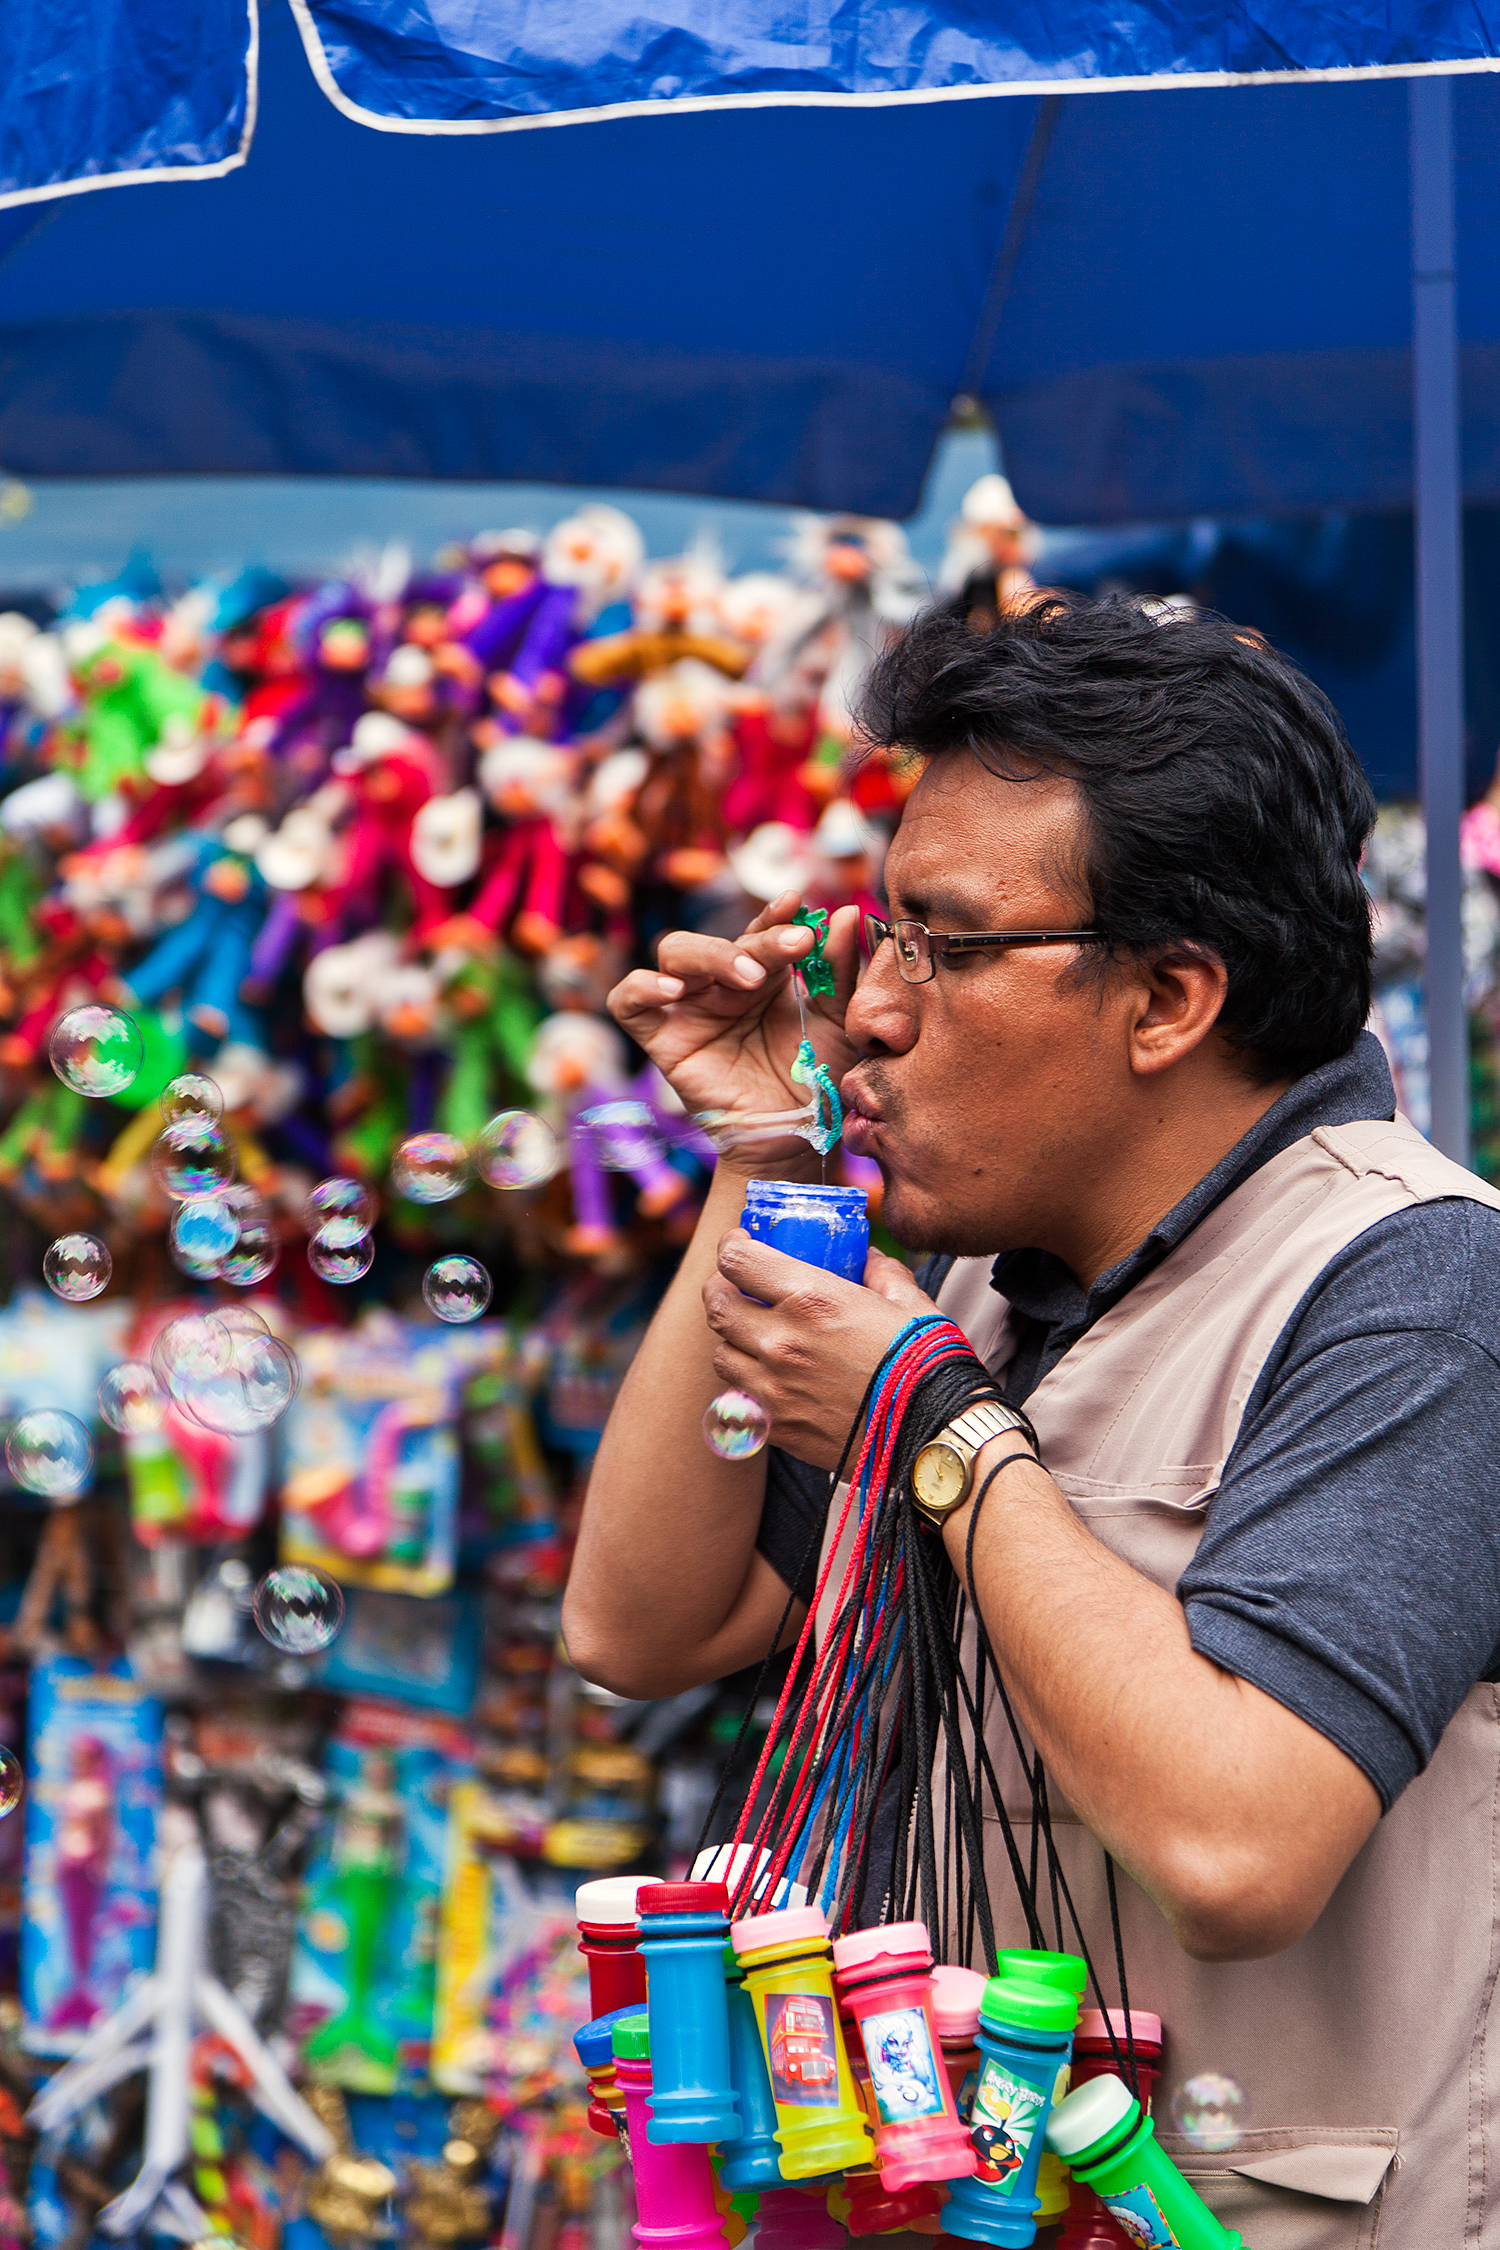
1225	810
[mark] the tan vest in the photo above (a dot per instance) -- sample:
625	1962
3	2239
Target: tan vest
1374	2098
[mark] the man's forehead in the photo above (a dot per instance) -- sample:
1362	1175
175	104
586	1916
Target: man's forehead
969	837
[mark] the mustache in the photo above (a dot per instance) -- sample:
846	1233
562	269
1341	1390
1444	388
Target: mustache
882	1092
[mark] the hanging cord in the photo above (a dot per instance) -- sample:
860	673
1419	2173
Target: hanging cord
1041	1811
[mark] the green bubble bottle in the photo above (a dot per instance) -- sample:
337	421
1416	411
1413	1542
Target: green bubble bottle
1101	2134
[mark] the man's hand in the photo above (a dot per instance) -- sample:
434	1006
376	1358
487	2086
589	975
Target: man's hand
808	1348
720	1022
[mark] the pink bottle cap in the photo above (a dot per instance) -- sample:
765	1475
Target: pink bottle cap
956	1994
903	1944
792	1925
1144	2027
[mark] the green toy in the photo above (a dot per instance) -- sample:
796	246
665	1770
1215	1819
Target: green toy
827	1121
817	976
1105	2141
132	703
352	2045
495	1017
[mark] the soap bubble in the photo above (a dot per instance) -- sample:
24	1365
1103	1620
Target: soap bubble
192	1157
340	1262
339	1209
516	1150
431	1167
456	1288
96	1050
191	1095
257	1250
77	1267
297	1610
12	1782
1210	2111
624	1134
204	1229
735	1425
253	1390
49	1452
131	1398
242	1320
189	1350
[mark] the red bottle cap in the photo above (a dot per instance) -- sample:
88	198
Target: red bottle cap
682	1898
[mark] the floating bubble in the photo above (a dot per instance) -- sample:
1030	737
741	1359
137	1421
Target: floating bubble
192	1157
77	1267
340	1262
204	1228
189	1350
96	1050
625	1135
340	1209
1210	2111
298	1611
49	1452
735	1425
431	1167
456	1288
251	1392
256	1252
131	1398
191	1095
516	1150
242	1320
12	1782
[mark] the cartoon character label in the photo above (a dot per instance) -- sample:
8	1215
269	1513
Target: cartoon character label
1003	2124
903	2068
800	2039
1140	2219
963	2100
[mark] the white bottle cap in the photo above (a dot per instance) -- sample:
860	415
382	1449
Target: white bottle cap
609	1900
1087	2116
725	1864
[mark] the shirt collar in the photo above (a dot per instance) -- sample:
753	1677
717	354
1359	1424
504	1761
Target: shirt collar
1356	1087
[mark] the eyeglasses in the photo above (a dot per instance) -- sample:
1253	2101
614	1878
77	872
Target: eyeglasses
918	949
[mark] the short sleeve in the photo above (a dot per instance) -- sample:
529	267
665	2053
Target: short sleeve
792	1517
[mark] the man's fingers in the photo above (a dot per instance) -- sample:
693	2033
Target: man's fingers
733	1318
643	993
740	966
769	1275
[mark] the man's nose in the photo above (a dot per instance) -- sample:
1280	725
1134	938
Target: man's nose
881	1017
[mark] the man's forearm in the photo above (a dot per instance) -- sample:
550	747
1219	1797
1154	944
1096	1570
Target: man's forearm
1236	1816
666	1587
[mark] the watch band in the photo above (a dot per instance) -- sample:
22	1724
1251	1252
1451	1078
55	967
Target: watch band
965	1435
989	1419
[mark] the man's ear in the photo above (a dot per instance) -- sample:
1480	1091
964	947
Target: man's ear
1178	1001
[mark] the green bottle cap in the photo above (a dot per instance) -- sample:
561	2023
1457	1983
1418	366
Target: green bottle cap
1028	2007
633	2038
1068	1971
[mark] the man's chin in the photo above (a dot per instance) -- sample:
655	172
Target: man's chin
917	1219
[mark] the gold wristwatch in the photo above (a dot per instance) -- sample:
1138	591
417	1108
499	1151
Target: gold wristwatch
942	1475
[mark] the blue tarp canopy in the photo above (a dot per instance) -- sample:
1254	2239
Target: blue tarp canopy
1184	302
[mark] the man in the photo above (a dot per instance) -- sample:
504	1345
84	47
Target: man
1248	1603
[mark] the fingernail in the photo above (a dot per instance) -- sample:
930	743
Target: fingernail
750	971
669	987
792	940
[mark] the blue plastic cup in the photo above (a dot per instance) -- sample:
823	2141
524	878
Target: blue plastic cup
823	1226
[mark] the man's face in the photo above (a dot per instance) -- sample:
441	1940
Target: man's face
988	1093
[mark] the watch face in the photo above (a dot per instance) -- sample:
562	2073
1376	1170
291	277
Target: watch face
939	1475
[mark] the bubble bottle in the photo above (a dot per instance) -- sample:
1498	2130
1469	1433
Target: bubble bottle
595	2046
1101	2133
1090	2226
1070	1973
956	1995
1025	2033
820	2121
864	2203
753	2160
674	2185
884	1978
823	1226
609	1940
789	2218
683	1928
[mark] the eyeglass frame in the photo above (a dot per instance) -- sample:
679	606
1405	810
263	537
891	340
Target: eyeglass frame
939	943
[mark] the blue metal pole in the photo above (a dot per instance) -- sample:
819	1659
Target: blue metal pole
1440	616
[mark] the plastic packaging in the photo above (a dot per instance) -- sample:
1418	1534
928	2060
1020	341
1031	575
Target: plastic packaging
674	2185
1101	2133
821	2124
1090	2226
956	1997
1025	2034
864	2203
753	2159
683	1928
595	2045
823	1226
884	1978
1069	1972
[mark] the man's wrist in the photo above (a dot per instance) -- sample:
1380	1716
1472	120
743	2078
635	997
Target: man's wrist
1017	1487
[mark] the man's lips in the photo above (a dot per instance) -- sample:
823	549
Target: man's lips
861	1117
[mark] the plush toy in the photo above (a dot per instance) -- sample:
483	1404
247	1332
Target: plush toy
578	1063
205	958
390	774
677	615
138	720
987	565
524	882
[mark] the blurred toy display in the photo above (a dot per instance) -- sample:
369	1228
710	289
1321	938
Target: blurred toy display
334	1206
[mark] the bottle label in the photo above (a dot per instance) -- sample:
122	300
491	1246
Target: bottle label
963	2101
1141	2219
1003	2124
801	2042
903	2068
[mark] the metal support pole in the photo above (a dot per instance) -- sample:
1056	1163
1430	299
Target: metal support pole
1440	612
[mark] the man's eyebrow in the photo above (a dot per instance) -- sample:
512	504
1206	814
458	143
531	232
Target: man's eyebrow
938	907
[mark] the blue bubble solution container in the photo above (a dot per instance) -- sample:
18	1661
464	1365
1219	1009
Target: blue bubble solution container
1025	2042
823	1226
684	1928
